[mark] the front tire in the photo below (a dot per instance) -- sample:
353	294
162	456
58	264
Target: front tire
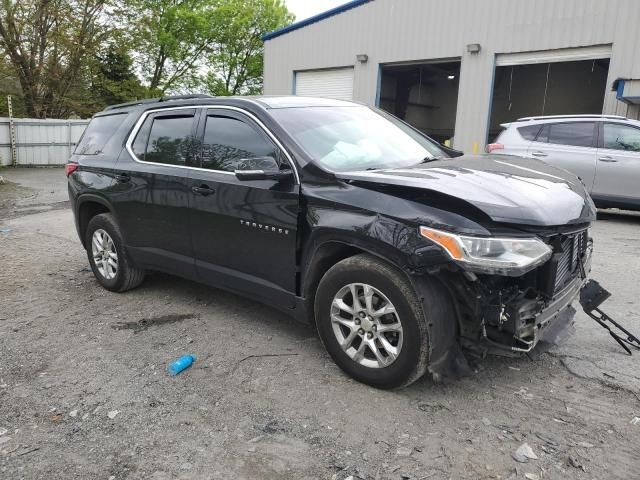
108	257
372	323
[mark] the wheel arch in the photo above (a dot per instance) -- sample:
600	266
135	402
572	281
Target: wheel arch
331	251
88	206
446	357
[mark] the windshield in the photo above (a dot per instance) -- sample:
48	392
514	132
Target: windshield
343	139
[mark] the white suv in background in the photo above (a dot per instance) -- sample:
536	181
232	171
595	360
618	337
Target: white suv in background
603	150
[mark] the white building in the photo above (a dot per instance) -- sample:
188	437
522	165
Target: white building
456	69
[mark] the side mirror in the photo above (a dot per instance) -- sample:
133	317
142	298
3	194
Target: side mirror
261	168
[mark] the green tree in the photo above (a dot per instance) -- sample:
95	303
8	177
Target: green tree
47	43
235	63
114	80
73	57
170	38
9	85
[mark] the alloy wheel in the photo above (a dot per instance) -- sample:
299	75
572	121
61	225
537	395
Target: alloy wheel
104	254
366	325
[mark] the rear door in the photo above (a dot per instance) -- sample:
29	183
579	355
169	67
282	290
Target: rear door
153	194
244	232
568	145
618	171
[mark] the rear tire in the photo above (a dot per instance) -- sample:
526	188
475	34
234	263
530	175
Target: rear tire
108	257
408	342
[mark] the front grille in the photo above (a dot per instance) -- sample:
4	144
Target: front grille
564	265
568	252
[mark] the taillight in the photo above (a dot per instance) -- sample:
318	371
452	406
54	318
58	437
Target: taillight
69	168
494	146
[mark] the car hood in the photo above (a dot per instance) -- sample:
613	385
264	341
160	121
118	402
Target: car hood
507	189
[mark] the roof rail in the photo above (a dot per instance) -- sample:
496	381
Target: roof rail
130	104
185	97
545	117
159	99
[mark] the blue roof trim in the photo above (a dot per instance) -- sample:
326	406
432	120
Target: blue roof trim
620	89
314	19
628	99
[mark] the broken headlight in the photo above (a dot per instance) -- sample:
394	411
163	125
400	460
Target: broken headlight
492	255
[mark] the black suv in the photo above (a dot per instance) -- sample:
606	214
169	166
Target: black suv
405	259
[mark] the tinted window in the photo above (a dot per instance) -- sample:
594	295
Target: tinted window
578	134
99	131
170	140
621	137
529	132
543	136
227	141
139	145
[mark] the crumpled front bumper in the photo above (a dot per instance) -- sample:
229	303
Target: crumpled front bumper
554	323
558	317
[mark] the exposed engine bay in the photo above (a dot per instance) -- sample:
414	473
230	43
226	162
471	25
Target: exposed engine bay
510	316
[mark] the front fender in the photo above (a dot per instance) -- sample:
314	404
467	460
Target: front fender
401	245
392	240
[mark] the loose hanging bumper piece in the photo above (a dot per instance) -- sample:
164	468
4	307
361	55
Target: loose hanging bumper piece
592	296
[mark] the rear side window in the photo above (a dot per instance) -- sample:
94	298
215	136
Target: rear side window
529	132
98	133
576	134
621	137
139	145
166	138
228	140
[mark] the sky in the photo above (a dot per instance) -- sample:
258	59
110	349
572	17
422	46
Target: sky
307	8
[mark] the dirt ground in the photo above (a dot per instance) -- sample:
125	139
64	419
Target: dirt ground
84	393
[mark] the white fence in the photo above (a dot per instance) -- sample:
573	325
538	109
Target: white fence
40	142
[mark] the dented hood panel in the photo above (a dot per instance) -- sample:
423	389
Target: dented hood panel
507	189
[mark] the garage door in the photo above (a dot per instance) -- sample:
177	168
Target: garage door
336	83
549	56
567	81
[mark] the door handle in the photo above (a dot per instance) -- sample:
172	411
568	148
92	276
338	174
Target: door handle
607	158
123	177
203	190
539	154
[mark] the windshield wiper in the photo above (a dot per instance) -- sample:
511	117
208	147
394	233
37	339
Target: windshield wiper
429	159
424	160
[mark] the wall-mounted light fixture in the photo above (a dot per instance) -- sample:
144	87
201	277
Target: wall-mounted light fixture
362	57
473	48
451	77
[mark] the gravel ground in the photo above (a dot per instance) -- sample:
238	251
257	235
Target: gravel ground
84	393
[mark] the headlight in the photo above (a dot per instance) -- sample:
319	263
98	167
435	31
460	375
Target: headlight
495	255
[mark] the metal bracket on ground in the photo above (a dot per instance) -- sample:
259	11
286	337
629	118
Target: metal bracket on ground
592	296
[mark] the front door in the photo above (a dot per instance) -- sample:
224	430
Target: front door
244	233
618	172
152	199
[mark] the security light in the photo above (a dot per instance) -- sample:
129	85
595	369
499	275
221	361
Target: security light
473	48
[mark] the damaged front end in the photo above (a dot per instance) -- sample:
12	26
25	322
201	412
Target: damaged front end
519	312
511	315
512	292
